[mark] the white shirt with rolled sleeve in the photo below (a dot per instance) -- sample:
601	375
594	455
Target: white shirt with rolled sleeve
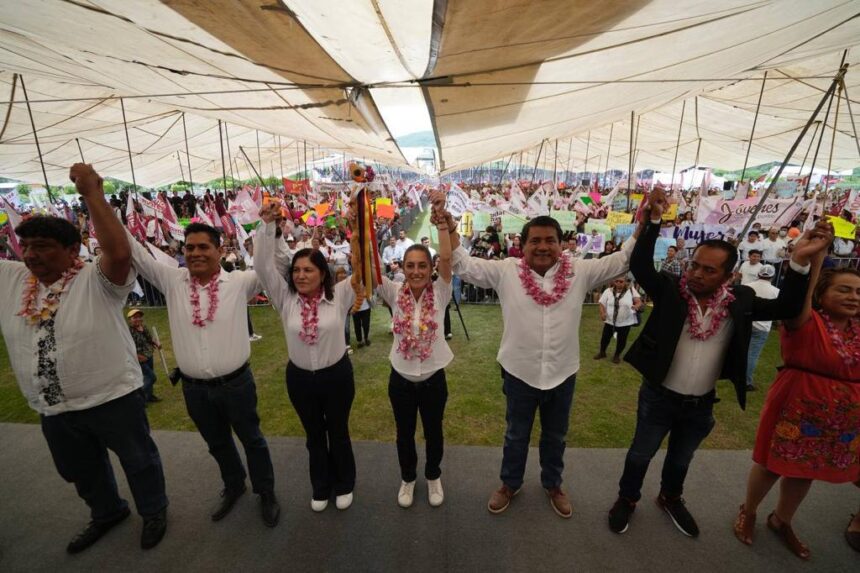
96	361
440	356
330	346
540	344
220	347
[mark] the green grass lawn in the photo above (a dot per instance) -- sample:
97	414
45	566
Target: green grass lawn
603	415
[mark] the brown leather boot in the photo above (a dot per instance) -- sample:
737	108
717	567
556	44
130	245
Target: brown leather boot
501	499
559	502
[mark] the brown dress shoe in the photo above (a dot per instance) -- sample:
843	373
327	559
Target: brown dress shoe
501	499
559	502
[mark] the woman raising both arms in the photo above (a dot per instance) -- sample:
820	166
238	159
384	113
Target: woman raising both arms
419	355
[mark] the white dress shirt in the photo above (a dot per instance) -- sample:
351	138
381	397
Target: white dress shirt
772	250
626	314
95	355
330	346
749	272
404	243
218	348
415	370
763	289
540	345
745	247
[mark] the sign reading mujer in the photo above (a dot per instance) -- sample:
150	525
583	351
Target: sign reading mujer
736	213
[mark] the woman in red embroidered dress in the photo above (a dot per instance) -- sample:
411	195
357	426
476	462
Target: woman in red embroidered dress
810	424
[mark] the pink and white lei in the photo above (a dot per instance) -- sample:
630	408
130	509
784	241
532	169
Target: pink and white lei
413	345
51	303
196	319
845	342
718	305
560	286
310	318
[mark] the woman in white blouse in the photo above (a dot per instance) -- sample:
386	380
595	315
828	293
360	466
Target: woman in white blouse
618	307
320	380
419	356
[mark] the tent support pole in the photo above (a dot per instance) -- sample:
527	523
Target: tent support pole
833	137
502	176
187	154
755	120
81	151
818	146
36	138
608	152
181	170
808	149
534	171
223	168
281	157
587	147
851	115
630	157
128	144
678	144
828	95
555	167
254	169
568	166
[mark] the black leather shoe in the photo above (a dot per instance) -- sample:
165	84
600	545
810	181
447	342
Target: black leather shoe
228	500
93	532
153	529
269	508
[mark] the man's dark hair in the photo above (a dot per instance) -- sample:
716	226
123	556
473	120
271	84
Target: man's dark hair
728	248
213	233
542	221
752	233
44	227
318	260
755	252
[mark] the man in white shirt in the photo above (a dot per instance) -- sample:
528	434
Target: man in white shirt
391	253
207	309
750	243
750	269
698	331
76	363
773	247
760	328
426	242
541	297
404	242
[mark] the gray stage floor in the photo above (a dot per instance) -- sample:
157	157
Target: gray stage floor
39	513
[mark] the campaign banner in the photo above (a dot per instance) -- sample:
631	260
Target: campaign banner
694	234
615	218
736	213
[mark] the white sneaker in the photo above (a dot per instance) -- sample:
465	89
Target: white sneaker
343	501
319	505
449	336
406	493
255	337
435	495
350	351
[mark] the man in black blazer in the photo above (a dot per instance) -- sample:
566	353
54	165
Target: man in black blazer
698	332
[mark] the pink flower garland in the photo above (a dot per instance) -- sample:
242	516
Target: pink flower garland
196	320
718	304
561	282
310	318
845	342
413	345
51	302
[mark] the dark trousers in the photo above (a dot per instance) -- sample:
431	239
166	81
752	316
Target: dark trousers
250	325
148	369
218	410
447	322
361	322
408	399
554	407
608	331
323	400
687	421
79	443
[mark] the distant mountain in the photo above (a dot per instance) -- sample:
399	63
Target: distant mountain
417	139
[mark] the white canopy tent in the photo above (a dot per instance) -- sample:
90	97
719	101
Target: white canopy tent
496	77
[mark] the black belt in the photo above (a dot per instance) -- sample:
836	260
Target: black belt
218	379
708	398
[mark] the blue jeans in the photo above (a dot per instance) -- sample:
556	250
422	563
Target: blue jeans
522	403
148	369
759	337
79	443
218	411
687	422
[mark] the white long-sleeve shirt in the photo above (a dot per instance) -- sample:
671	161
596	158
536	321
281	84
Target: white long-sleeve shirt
540	344
221	346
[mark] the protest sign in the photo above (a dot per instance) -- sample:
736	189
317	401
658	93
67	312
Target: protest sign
615	218
512	223
567	219
661	248
622	232
481	220
842	228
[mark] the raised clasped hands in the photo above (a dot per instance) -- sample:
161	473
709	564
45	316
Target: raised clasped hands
813	244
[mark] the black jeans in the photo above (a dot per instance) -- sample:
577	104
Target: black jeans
79	443
361	322
323	400
219	410
608	330
408	399
687	421
523	401
447	321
